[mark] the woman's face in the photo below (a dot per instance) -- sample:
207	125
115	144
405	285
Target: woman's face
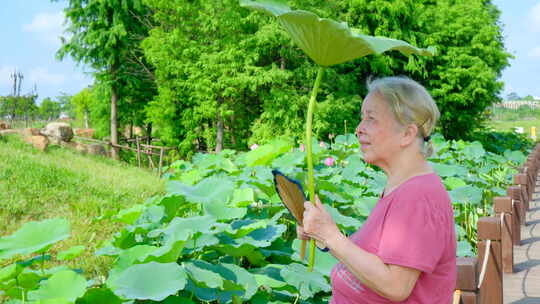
378	131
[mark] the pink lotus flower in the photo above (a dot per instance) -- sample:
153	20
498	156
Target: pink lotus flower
322	144
302	147
254	146
329	161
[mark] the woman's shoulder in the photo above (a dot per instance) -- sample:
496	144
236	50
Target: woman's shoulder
421	189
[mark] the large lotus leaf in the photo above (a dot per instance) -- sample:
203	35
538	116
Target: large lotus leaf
63	285
127	258
181	228
308	283
326	41
445	170
243	197
454	182
466	195
33	237
342	220
210	190
99	295
474	150
516	157
177	233
130	215
29	279
222	211
214	161
151	281
220	281
364	205
265	154
10	271
243	278
288	161
197	272
351	172
230	247
71	253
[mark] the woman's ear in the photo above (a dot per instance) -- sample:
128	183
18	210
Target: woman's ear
410	134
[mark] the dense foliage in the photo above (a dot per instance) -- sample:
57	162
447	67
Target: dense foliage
227	77
221	235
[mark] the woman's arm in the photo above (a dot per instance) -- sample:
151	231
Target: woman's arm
389	281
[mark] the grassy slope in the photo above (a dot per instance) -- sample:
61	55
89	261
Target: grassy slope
63	183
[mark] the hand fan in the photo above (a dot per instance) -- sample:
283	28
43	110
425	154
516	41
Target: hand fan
291	193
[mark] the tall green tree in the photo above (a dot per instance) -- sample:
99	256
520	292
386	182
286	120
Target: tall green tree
82	102
49	109
105	34
464	77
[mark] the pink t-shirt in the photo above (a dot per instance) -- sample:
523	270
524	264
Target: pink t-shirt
413	226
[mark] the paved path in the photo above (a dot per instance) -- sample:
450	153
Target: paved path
523	286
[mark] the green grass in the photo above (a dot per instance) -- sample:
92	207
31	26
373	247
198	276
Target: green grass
508	125
62	183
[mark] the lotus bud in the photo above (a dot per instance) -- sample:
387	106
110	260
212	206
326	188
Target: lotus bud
329	161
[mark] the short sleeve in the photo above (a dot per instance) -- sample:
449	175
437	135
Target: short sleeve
413	233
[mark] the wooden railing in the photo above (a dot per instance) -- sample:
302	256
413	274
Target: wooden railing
480	279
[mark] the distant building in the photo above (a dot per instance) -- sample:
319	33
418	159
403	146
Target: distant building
515	104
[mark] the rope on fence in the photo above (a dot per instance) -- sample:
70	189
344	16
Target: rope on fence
486	254
484	265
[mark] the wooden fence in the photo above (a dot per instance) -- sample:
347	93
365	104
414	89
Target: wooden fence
141	150
480	279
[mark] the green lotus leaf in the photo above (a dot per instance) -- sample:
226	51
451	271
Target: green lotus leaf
62	286
466	195
33	237
308	283
265	154
200	272
243	197
210	190
454	182
71	253
151	281
220	281
343	220
29	279
99	295
10	271
326	41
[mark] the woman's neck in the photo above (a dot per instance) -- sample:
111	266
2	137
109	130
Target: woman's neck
403	168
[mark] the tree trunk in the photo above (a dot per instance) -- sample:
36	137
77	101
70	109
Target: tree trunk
219	127
149	134
86	126
231	130
114	123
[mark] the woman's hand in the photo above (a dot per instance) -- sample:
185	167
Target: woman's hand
318	223
301	234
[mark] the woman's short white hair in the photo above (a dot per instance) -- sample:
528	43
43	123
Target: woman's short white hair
411	103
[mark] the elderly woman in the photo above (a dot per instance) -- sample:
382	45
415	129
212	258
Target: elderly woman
406	250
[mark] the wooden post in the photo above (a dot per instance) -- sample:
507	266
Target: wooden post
138	151
161	150
503	205
521	180
467	279
491	287
514	192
